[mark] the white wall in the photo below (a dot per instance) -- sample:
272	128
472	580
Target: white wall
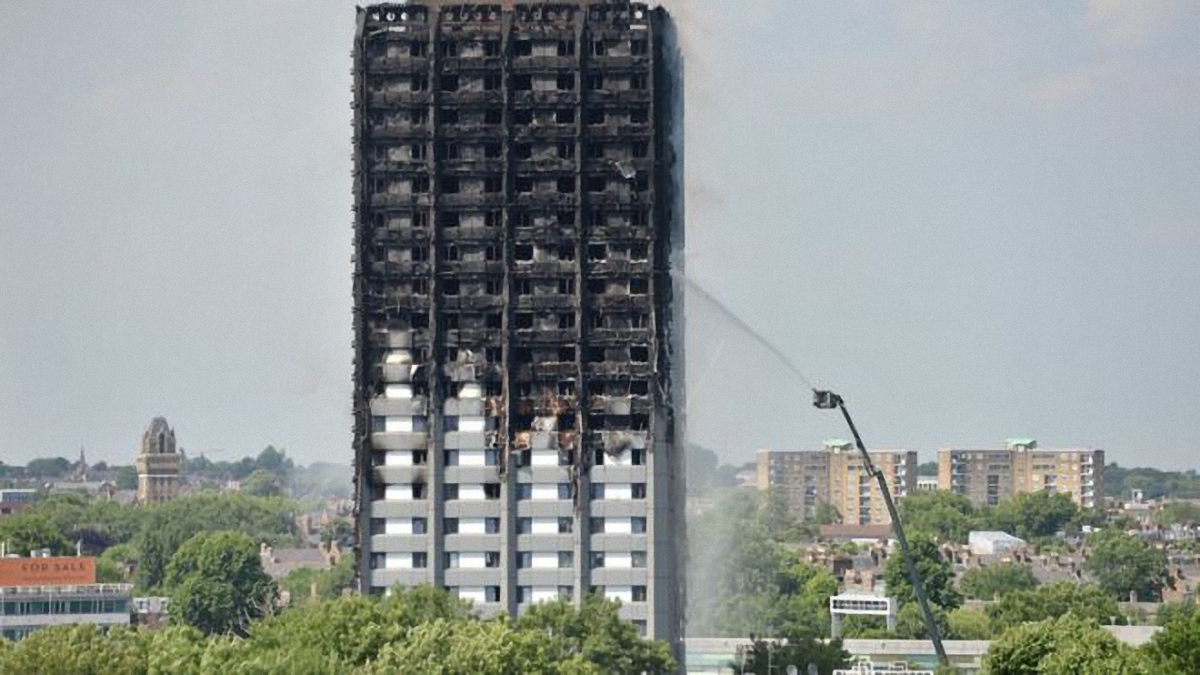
472	458
618	491
618	525
622	593
545	492
544	594
543	457
477	594
398	458
398	561
543	560
620	561
398	526
472	526
470	490
401	492
398	391
545	525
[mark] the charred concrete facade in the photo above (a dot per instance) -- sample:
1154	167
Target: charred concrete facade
518	327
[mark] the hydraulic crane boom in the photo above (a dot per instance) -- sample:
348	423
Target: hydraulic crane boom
827	400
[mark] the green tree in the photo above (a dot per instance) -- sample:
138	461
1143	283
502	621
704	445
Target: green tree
262	483
826	514
30	531
1123	564
936	573
354	629
340	530
1171	611
82	648
910	622
927	469
217	584
996	581
597	635
1175	650
492	647
968	624
945	516
274	461
768	657
127	478
1067	645
1179	513
48	467
1033	515
1086	601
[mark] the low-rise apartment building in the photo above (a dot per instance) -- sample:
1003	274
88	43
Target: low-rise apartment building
988	476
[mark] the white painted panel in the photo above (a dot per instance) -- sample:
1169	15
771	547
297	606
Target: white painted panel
402	492
469	490
398	526
622	593
398	425
398	356
544	526
398	391
398	458
472	526
473	424
474	593
544	492
472	458
544	594
470	390
471	560
624	458
618	525
543	457
543	560
618	491
620	561
398	561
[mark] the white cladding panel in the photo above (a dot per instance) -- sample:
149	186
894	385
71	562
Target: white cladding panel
402	425
618	491
398	458
477	594
543	457
618	525
544	560
398	526
471	560
470	491
544	526
622	593
472	458
472	526
544	594
544	492
402	492
398	561
472	424
620	561
398	391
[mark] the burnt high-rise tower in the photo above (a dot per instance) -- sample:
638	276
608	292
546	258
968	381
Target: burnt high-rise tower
518	319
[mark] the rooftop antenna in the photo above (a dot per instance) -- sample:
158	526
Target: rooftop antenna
827	400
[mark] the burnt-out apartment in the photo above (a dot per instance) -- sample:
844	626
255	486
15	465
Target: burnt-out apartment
518	310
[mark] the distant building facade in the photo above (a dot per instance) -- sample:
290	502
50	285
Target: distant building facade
988	476
158	464
42	591
836	476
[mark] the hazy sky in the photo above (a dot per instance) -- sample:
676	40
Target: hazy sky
976	220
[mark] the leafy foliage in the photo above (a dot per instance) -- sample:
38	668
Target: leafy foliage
1124	564
1065	645
217	583
968	624
1033	515
943	515
419	630
1155	483
329	584
935	571
1176	649
1085	601
996	581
